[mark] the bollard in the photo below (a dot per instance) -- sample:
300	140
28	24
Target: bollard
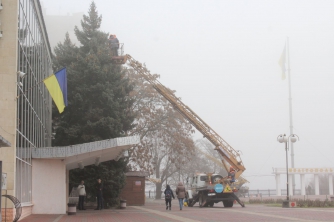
123	204
72	209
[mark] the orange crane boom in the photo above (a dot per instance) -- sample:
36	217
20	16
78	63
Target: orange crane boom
224	149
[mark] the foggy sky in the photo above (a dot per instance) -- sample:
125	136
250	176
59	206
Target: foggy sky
222	59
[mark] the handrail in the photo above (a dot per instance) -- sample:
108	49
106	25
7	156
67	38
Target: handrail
17	205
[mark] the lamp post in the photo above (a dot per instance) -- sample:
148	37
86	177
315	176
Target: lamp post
285	139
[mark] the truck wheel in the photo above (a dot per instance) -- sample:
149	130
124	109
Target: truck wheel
228	203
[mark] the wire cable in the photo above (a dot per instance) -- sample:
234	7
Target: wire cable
6	131
325	156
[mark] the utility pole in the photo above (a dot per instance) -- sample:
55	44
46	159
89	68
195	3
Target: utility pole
290	114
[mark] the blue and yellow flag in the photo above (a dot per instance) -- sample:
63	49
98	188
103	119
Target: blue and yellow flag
57	86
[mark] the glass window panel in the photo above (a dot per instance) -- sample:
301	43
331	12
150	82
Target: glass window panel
33	114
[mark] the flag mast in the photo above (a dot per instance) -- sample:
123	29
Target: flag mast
290	112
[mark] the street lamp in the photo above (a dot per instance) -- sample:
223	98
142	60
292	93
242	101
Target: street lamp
285	139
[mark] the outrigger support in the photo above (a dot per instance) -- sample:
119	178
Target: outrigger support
193	201
238	200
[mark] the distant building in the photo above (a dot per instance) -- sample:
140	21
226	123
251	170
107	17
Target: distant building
58	25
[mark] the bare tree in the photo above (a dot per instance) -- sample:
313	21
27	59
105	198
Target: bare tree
165	136
212	155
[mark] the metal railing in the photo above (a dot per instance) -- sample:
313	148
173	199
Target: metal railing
266	193
17	205
150	194
120	50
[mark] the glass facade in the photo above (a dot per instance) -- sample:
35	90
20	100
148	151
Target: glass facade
33	128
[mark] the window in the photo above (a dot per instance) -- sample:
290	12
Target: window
138	183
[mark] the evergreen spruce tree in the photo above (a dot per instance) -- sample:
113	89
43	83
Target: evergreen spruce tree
99	106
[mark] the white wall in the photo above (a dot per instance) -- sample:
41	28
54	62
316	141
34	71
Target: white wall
48	186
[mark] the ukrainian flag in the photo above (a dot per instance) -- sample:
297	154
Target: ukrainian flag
57	86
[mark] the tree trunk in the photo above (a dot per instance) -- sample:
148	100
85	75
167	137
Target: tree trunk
158	187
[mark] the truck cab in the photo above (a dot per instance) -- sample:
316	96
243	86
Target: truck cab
203	181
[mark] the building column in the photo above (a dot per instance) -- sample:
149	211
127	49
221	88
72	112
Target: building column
278	185
67	184
302	184
52	174
330	179
8	102
290	185
316	184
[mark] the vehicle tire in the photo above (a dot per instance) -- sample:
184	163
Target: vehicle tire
211	204
228	203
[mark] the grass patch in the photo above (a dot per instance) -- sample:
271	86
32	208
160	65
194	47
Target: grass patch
274	205
300	202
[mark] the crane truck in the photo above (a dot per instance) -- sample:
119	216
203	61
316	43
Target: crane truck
205	188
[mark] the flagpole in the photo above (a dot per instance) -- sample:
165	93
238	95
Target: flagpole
290	112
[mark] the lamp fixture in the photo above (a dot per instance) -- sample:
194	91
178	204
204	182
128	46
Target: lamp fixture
21	74
97	161
283	138
81	166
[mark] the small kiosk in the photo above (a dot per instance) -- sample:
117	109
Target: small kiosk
134	190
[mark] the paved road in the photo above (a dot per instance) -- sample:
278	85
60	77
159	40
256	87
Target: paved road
156	211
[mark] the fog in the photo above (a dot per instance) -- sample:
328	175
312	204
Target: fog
221	57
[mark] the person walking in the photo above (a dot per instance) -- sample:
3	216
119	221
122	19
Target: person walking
168	197
82	194
181	193
99	189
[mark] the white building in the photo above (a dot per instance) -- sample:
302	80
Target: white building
302	172
32	166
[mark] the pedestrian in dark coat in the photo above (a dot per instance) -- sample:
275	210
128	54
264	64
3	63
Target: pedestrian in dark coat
99	191
168	197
